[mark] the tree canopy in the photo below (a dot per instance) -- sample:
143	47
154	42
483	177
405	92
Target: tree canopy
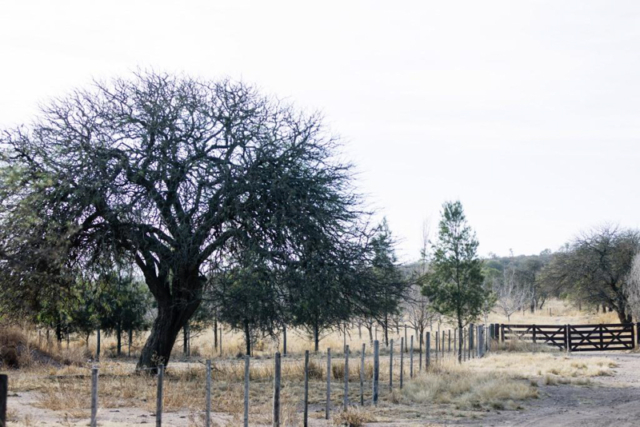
454	284
175	174
594	268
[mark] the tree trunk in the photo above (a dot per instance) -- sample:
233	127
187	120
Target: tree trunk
624	316
98	344
171	319
386	330
316	338
59	333
247	337
215	333
119	339
130	340
284	340
185	339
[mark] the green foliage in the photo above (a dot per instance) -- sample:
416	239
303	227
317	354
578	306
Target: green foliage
248	297
454	285
123	303
177	175
387	277
594	269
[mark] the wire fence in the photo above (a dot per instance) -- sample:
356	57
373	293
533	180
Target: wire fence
461	344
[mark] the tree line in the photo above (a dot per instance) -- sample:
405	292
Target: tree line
167	203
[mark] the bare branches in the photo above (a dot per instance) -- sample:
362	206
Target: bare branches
179	173
632	290
511	295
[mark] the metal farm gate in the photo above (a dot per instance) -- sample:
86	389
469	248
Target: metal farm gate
604	337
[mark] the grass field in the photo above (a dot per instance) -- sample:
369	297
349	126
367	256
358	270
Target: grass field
503	380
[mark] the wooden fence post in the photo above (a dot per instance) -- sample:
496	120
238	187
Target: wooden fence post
465	344
159	396
501	337
247	378
362	375
437	345
346	377
428	348
455	341
568	337
411	358
391	364
4	389
637	334
401	362
94	396
207	416
486	340
276	391
449	341
458	343
306	389
601	330
327	408
376	370
419	349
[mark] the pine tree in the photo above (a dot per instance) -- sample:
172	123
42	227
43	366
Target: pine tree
455	283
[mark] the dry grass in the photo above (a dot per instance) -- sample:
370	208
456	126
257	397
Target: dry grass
17	350
466	388
522	346
549	368
502	380
353	417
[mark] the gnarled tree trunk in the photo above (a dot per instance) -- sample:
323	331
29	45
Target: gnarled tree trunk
172	317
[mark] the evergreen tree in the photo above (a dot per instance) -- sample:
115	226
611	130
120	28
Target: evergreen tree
454	284
388	277
248	297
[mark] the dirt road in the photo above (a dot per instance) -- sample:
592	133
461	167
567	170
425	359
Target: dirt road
612	401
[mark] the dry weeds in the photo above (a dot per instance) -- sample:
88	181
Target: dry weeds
502	380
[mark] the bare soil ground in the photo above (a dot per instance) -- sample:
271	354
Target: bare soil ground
611	401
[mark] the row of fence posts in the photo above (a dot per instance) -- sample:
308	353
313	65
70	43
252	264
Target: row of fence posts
469	350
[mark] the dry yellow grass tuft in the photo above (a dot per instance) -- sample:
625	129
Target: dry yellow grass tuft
353	417
536	365
467	388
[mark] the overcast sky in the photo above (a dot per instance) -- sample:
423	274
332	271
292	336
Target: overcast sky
526	111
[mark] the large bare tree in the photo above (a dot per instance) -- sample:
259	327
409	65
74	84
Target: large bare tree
594	268
175	174
632	290
511	295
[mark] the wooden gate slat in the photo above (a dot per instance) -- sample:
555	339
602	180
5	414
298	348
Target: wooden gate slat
602	337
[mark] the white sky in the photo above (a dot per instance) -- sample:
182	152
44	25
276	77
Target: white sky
527	111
